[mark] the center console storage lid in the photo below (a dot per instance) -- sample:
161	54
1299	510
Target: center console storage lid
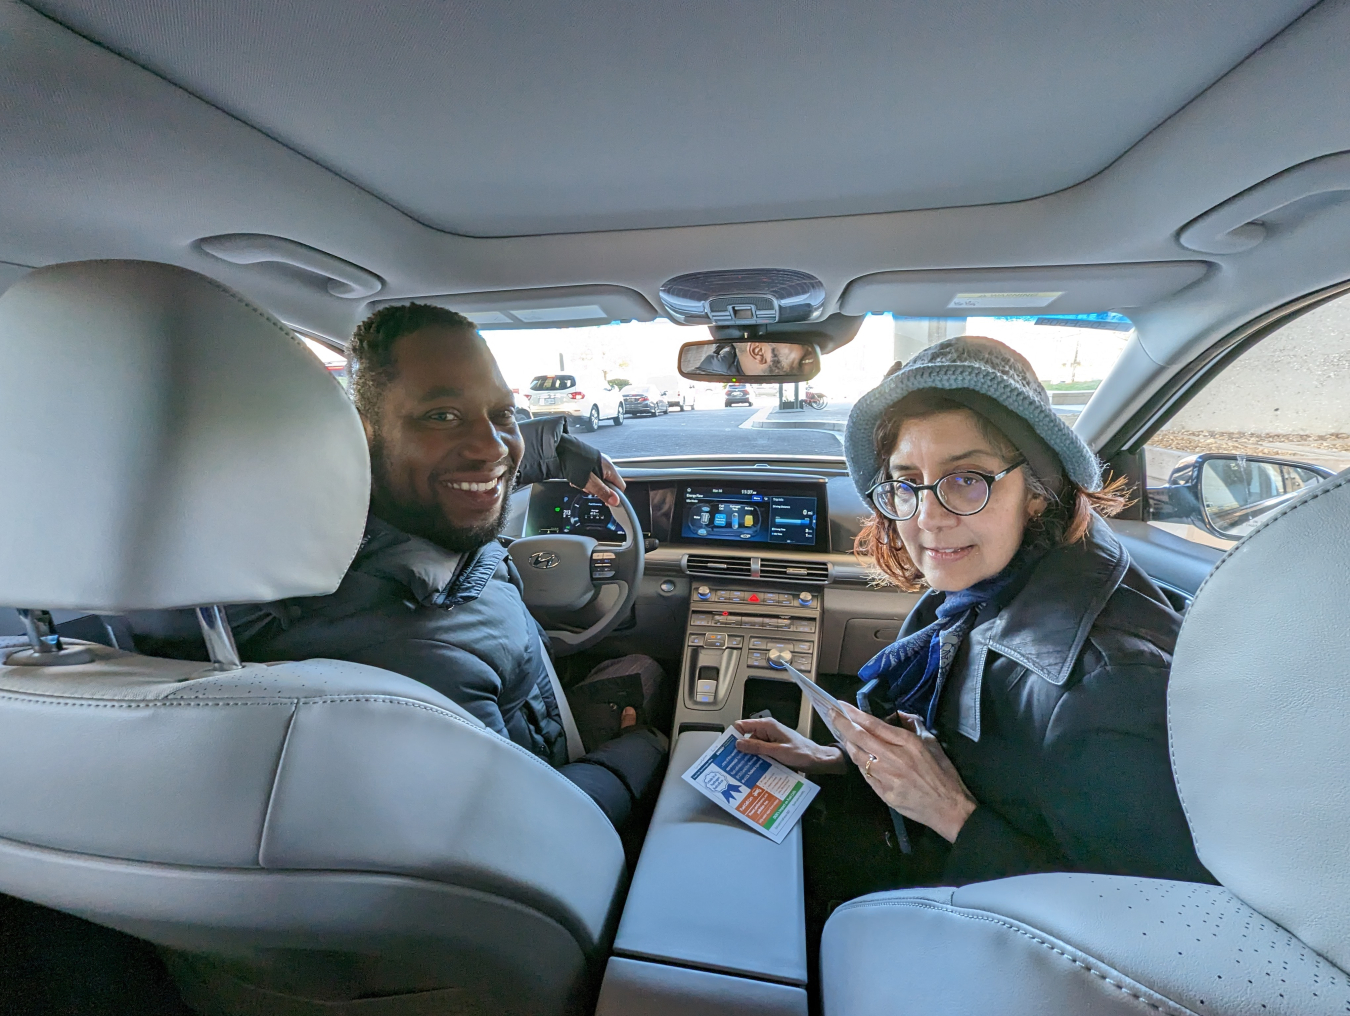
711	893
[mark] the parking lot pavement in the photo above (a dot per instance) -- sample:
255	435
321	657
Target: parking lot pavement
832	417
706	431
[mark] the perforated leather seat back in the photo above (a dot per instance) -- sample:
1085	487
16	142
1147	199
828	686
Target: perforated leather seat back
1259	714
306	837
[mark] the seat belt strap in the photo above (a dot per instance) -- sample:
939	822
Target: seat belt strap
575	749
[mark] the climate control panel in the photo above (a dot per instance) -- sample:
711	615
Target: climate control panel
707	594
734	636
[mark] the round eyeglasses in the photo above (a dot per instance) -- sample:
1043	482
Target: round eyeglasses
963	493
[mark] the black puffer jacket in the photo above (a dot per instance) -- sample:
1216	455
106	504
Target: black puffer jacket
455	622
1055	715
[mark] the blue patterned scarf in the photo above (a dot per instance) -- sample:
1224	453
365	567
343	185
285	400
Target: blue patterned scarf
914	668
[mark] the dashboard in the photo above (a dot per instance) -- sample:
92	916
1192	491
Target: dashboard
694	511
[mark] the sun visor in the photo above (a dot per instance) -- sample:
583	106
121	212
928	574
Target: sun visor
561	307
988	292
10	274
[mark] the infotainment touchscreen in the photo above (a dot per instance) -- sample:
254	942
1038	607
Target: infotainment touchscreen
744	514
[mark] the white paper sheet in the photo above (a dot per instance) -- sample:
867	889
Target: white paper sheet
766	796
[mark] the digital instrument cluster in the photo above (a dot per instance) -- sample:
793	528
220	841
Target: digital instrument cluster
570	512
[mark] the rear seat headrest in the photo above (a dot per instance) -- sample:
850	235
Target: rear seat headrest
169	444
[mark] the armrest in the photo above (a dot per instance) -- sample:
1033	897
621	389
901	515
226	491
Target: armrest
711	893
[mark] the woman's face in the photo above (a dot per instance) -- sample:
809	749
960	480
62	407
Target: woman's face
956	551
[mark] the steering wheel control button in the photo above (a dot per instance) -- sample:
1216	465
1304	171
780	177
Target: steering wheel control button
703	593
779	658
667	586
603	563
805	598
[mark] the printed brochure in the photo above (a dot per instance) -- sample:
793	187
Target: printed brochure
763	794
821	701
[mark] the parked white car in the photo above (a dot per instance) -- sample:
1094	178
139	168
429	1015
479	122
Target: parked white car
589	399
678	393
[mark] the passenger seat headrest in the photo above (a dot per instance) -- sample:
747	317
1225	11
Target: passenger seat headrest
169	444
1259	719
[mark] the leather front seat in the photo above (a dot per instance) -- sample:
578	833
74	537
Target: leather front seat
313	837
1259	716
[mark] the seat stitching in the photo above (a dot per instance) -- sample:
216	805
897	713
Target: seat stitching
295	341
1326	487
276	782
993	919
296	703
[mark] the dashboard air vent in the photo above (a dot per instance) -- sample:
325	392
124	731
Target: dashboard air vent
717	565
815	572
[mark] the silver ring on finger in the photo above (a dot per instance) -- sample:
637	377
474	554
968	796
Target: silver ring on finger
867	769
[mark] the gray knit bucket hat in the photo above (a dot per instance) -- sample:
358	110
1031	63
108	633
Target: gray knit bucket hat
1005	389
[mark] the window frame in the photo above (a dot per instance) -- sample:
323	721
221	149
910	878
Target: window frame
1192	378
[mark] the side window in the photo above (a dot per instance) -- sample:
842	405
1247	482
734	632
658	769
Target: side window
1273	423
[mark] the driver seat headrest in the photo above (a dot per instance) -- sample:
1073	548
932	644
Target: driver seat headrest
170	444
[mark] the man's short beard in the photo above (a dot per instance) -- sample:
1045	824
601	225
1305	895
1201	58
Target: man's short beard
777	365
428	520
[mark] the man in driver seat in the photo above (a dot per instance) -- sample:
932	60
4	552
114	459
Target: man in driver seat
432	593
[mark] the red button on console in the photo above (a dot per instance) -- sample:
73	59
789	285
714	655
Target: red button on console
754	597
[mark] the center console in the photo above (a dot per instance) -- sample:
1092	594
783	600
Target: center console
727	673
714	921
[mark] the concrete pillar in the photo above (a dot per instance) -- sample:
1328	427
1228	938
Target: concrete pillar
914	334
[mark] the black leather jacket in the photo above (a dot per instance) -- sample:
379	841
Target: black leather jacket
1055	715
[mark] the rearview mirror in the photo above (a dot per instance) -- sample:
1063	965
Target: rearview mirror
763	361
1228	495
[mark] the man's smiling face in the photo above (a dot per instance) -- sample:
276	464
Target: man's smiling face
444	445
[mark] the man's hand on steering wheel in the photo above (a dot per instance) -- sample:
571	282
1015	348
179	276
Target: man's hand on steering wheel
603	486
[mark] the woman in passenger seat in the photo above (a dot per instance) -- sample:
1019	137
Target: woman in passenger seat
1019	721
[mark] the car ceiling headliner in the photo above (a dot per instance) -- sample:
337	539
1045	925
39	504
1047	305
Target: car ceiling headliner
102	158
527	117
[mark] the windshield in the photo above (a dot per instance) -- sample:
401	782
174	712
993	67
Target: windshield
1071	355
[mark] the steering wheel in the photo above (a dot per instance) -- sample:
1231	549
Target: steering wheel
577	588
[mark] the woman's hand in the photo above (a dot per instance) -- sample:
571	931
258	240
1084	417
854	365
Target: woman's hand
771	739
911	773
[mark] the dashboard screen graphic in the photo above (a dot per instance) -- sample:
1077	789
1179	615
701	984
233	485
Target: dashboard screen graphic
575	514
741	514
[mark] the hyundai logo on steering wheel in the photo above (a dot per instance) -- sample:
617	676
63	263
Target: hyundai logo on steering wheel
544	559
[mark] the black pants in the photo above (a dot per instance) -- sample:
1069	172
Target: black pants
623	777
849	849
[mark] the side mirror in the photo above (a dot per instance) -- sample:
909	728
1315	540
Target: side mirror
1227	495
760	361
